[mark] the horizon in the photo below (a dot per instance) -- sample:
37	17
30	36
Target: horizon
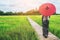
25	5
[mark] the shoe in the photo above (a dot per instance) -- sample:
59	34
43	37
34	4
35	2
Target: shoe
45	36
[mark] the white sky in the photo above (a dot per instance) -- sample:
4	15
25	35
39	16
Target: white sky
25	5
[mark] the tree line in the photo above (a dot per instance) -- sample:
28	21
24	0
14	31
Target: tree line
21	13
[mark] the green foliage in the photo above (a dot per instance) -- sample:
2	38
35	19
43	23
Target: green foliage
37	18
8	13
54	23
31	12
1	12
16	28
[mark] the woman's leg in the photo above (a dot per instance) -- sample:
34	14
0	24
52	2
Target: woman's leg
45	28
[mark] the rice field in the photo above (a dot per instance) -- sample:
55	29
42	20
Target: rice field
16	28
54	23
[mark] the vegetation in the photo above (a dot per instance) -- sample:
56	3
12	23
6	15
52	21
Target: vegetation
31	12
16	28
54	25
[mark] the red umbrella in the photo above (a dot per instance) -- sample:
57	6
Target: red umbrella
47	9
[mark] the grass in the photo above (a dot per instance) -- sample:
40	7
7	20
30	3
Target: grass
16	28
37	18
54	24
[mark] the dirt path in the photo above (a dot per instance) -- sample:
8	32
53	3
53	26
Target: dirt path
38	29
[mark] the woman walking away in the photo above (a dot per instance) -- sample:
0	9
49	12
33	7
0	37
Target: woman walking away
45	24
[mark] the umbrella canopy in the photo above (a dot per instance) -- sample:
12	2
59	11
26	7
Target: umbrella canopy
47	9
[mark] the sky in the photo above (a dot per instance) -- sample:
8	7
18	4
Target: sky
25	5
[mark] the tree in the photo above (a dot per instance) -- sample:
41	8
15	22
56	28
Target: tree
1	12
8	13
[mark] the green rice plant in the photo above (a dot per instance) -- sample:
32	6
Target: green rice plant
16	28
54	23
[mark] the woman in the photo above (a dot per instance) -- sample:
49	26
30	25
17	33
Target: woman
45	24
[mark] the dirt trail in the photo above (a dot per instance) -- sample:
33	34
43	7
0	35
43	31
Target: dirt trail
38	29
